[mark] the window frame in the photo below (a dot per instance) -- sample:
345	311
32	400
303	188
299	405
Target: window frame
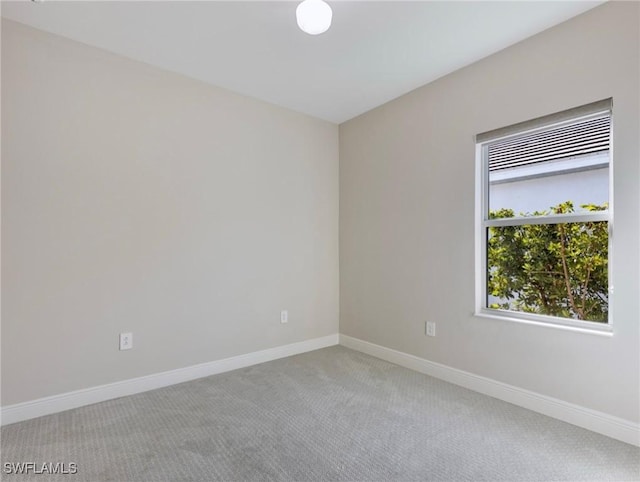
483	141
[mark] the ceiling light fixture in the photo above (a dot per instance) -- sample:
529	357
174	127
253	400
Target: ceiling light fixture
314	16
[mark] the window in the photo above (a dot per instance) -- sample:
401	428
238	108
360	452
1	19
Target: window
544	218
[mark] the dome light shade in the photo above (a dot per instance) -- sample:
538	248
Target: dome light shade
314	16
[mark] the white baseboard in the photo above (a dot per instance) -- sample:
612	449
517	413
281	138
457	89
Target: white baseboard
602	423
87	396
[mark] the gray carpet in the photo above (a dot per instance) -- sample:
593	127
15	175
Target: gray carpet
332	414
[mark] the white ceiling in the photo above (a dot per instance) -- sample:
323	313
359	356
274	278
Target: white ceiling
374	51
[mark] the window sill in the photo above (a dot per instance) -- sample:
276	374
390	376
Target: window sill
603	330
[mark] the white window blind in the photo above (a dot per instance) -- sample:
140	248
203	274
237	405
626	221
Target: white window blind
585	137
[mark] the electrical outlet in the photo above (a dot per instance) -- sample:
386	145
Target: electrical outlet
126	341
284	316
430	328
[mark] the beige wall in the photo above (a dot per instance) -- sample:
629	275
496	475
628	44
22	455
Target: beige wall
407	214
137	200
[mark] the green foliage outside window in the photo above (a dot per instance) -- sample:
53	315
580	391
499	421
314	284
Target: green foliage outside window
550	269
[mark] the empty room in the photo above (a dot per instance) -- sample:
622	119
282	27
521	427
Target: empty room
320	240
